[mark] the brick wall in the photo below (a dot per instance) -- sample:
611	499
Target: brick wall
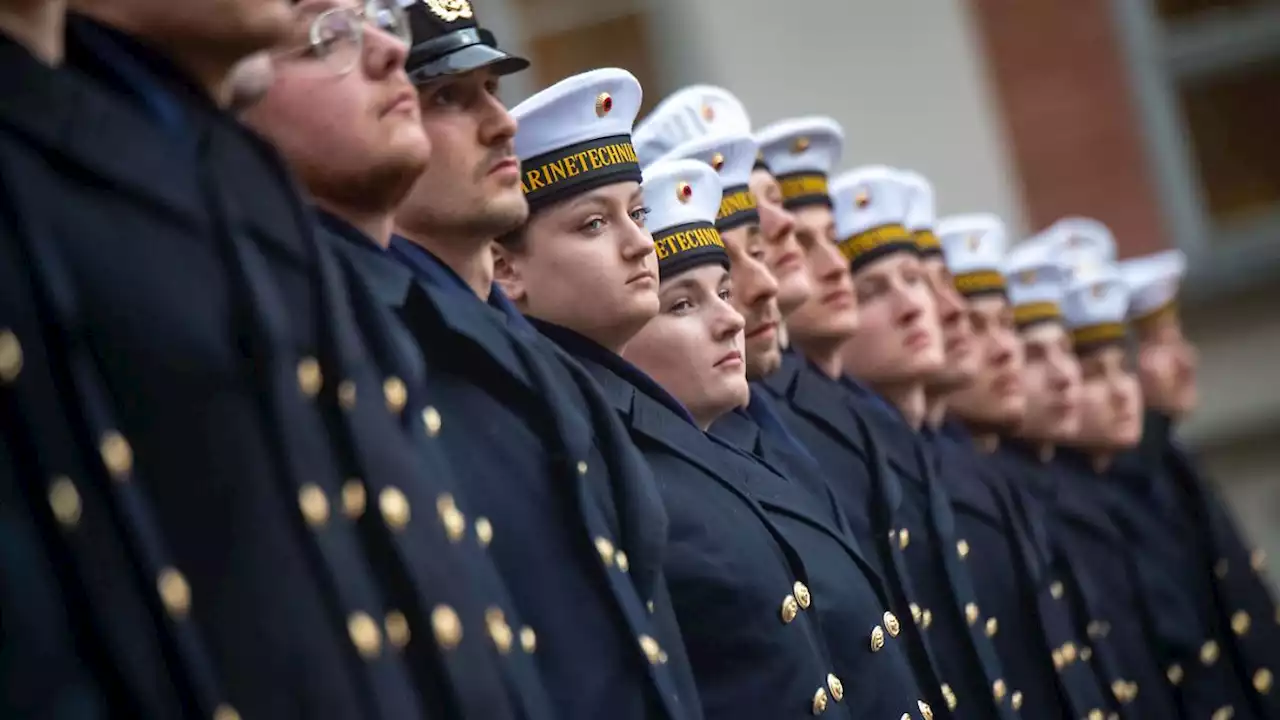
1060	81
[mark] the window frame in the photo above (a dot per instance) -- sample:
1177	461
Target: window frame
1160	54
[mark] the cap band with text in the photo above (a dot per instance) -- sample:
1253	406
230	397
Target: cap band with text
1034	313
687	246
737	208
927	243
865	247
980	282
1092	337
579	168
803	189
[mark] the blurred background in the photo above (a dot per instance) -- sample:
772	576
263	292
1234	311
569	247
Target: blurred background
1159	117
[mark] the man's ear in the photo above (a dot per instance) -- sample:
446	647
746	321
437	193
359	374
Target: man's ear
507	273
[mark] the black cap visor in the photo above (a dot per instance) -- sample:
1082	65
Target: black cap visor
456	53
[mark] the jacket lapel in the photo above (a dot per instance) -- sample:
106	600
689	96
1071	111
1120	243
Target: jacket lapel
67	115
468	319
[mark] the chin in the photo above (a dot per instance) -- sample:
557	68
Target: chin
734	393
923	366
507	207
763	360
793	291
639	309
844	325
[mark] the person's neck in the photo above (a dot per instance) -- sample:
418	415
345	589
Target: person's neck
825	355
935	411
374	224
910	400
37	26
470	258
1101	460
987	441
704	418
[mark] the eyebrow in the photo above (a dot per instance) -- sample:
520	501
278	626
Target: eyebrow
680	284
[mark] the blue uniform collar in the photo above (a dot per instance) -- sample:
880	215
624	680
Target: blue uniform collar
389	280
431	270
583	347
874	400
137	71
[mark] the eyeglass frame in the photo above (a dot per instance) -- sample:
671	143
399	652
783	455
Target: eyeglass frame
361	17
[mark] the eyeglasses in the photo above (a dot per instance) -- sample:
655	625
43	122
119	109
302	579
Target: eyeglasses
336	36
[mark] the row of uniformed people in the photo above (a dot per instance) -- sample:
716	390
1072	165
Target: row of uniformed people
558	564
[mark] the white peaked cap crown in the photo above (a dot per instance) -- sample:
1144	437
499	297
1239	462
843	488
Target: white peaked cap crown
732	155
1153	282
1037	282
870	206
683	197
1095	306
575	136
801	153
974	246
687	114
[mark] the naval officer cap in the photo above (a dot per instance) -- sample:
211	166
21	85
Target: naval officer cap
1153	282
870	205
1095	306
575	136
732	156
1081	242
684	197
1037	280
974	246
448	40
922	213
801	153
688	114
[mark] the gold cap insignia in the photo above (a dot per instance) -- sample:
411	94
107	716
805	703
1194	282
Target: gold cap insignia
604	103
862	199
684	191
800	145
1027	277
974	241
450	10
717	161
1098	291
708	113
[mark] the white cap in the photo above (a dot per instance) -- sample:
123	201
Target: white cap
732	155
686	114
575	136
1153	282
1095	305
1037	282
801	153
1080	242
974	246
683	198
870	205
922	213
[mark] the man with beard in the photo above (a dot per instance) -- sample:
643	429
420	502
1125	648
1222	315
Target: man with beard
1163	479
1001	529
346	119
578	527
208	357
